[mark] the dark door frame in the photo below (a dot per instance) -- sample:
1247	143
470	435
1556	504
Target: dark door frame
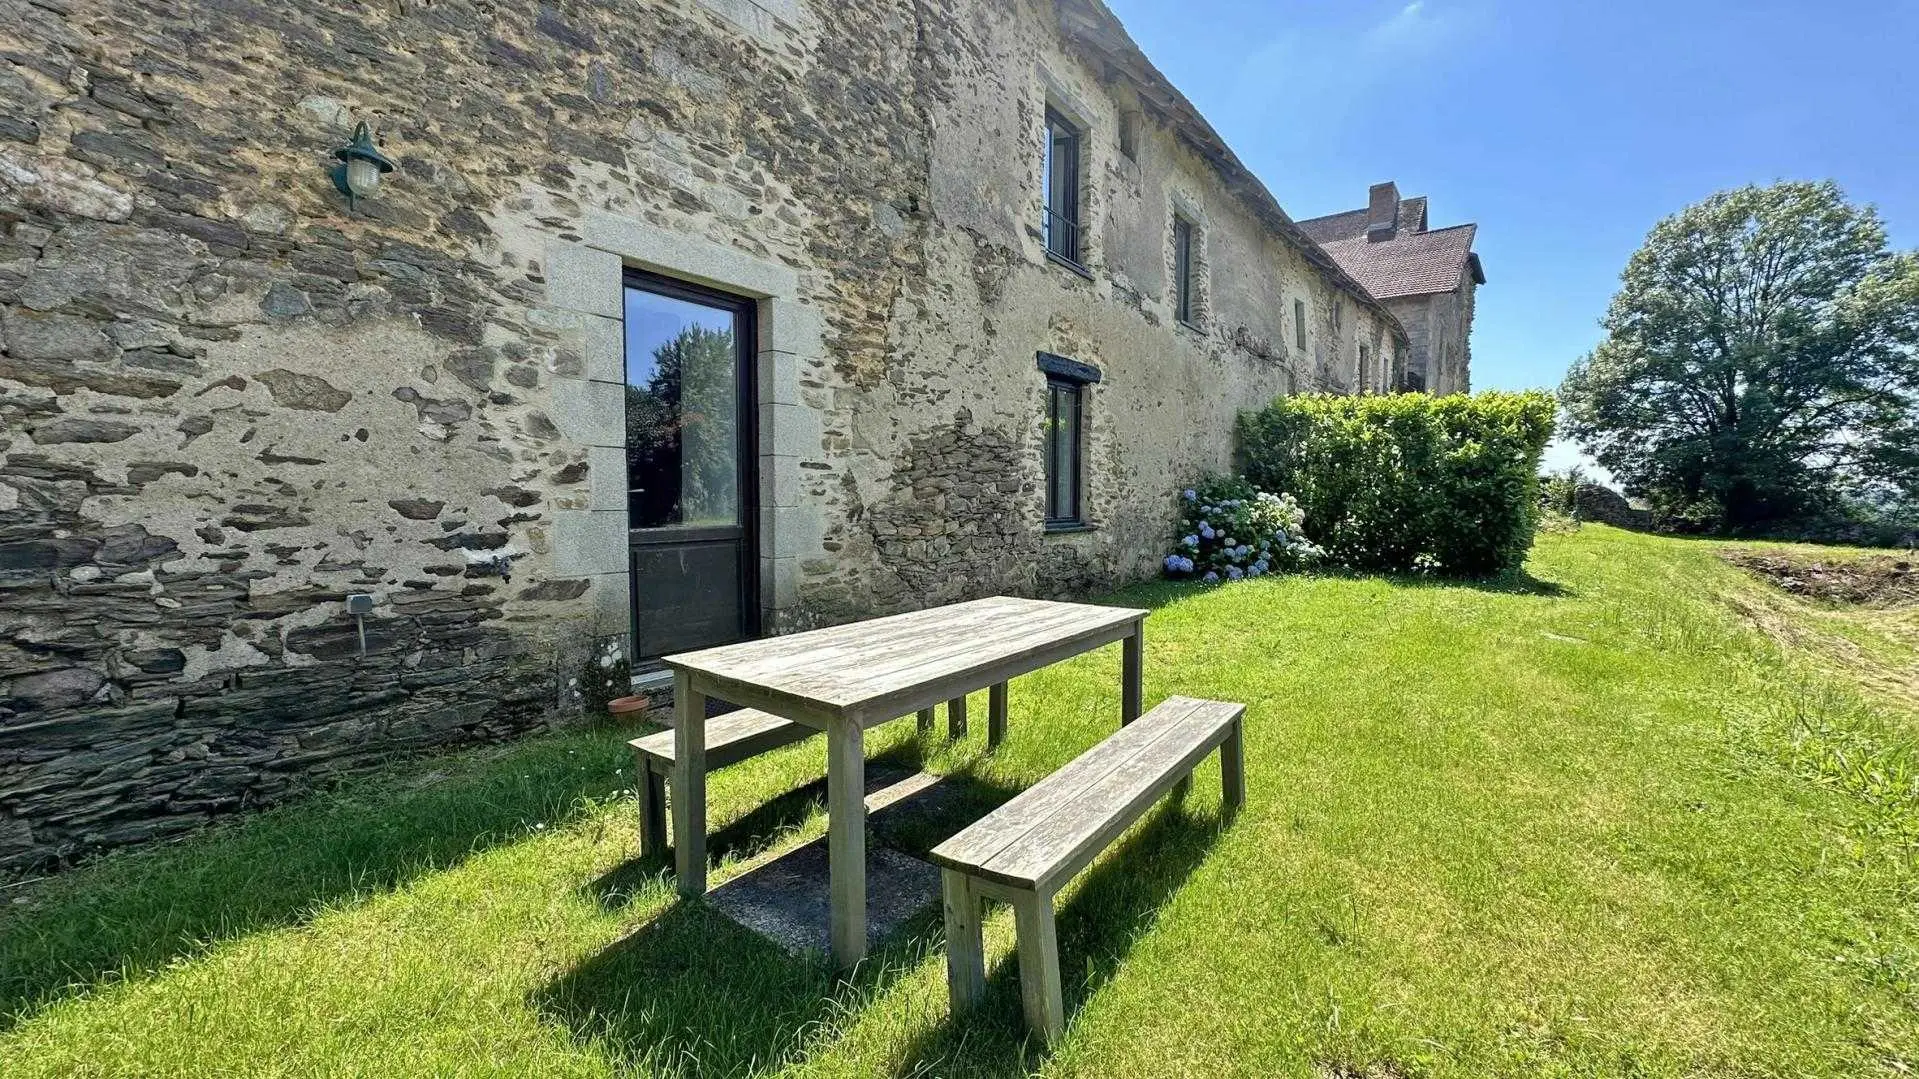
746	311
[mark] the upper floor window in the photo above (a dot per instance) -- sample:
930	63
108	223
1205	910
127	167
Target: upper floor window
1062	188
1299	323
1183	304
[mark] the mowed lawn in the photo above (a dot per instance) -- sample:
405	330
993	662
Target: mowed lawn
1583	822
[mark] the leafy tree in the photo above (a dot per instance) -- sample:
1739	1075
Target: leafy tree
1760	363
682	432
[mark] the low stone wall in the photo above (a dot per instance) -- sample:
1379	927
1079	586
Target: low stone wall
104	743
1594	502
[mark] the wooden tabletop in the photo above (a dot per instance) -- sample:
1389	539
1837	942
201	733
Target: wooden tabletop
882	668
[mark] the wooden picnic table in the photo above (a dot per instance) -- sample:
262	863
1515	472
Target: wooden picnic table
847	678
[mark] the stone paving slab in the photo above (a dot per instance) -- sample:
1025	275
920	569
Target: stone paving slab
786	897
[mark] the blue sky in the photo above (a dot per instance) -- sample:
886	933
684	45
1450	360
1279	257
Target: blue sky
1564	129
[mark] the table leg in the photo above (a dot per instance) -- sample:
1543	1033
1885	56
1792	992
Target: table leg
689	786
956	717
846	840
1131	692
996	715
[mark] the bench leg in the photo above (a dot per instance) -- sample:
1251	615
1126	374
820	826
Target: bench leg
1232	770
652	812
965	944
996	715
926	721
956	718
1039	983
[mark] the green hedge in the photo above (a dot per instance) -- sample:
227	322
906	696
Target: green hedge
1407	481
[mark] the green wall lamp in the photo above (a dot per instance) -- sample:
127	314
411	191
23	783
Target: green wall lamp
360	168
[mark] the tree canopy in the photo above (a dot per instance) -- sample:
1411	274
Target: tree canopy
1761	363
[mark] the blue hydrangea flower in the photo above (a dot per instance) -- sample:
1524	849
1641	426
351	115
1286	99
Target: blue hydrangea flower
1205	531
1189	494
1190	541
1211	577
1258	569
1172	563
1234	572
1186	565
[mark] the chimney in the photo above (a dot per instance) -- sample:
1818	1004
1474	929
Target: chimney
1382	211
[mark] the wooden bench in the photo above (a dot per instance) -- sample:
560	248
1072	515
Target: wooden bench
1025	850
730	738
747	733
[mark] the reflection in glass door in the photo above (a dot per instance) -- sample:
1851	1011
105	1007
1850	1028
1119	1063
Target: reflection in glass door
690	452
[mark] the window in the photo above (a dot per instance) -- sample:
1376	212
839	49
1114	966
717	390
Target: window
1129	134
1062	188
1299	323
1339	313
1062	452
1365	368
1183	271
1064	428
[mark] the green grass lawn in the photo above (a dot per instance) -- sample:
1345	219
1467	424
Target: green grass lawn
1585	822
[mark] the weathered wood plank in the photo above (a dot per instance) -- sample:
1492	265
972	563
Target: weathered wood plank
978	843
956	717
1039	982
1065	842
914	695
830	672
1132	674
1232	770
926	720
846	841
730	738
652	791
996	715
1055	827
965	942
689	787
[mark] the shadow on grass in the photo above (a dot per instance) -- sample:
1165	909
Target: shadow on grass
130	914
760	829
1517	582
1116	902
1153	595
696	993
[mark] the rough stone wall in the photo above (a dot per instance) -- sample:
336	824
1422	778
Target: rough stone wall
228	402
1597	502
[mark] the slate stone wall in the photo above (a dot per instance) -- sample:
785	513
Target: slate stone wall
227	402
1597	502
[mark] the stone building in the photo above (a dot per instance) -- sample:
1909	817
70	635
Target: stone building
679	321
1426	277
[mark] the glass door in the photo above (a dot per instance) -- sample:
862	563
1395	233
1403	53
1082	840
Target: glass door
692	491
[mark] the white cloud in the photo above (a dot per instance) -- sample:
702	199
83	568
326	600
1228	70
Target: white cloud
1343	64
1414	28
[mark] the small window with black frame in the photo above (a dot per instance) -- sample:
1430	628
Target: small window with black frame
1062	188
1064	429
1183	300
